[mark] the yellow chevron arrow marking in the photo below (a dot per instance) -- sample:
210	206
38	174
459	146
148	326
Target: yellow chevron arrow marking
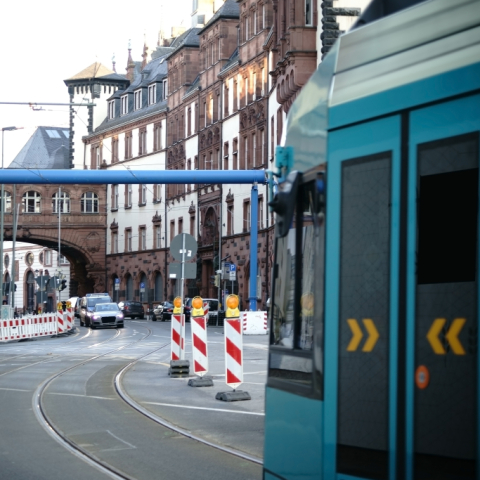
452	336
373	335
357	335
432	336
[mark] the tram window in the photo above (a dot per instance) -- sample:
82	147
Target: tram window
447	211
297	300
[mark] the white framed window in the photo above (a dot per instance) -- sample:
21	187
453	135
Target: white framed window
111	109
254	150
263	16
142	239
165	89
128	195
124	101
114	245
255	22
157	192
254	86
143	194
114	196
31	202
129	240
152	94
137	97
8	202
61	202
63	260
89	202
47	258
158	237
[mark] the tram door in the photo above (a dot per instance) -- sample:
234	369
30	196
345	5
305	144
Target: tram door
401	319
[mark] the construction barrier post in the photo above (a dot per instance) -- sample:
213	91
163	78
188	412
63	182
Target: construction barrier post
233	353
198	322
61	327
179	367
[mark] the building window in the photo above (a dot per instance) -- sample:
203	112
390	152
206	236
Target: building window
157	137
61	203
111	109
308	12
262	147
8	202
254	151
158	237
142	141
260	213
165	89
47	258
180	226
128	196
114	149
246	215
172	230
124	101
192	225
128	145
157	193
128	239
31	202
137	96
225	156
235	154
89	202
95	157
142	238
114	197
114	246
63	260
152	94
142	194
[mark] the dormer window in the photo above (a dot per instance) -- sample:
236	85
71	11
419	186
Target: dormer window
138	99
124	104
111	109
152	94
165	89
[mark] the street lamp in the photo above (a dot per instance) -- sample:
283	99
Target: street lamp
2	196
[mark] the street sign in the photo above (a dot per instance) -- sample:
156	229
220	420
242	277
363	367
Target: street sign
117	284
226	271
183	247
233	272
142	287
175	270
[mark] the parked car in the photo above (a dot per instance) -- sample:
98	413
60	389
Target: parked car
105	315
87	304
132	309
213	307
157	312
167	310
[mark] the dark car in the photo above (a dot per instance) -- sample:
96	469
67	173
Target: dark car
132	309
167	311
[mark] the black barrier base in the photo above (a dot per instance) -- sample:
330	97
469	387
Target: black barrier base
201	382
179	368
233	396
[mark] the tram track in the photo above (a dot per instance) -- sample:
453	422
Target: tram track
58	435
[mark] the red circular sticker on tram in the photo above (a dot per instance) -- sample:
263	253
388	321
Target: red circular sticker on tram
422	377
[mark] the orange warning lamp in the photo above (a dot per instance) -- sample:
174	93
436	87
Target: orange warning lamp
68	304
59	306
197	307
177	305
232	306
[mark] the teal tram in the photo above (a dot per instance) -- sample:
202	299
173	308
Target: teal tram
373	356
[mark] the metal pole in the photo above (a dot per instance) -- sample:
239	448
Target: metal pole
14	236
60	202
182	351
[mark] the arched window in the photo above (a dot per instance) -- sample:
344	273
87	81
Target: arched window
158	293
61	202
8	202
129	289
31	202
89	203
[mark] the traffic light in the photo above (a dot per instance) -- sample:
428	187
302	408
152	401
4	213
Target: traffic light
217	280
64	285
212	280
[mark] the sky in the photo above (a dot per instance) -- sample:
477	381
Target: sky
45	42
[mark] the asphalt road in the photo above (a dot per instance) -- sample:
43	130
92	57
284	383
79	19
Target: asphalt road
83	405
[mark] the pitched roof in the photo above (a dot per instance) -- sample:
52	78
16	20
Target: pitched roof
47	148
230	9
95	70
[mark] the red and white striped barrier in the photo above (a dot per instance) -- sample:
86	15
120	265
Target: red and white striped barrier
199	345
233	352
61	327
254	323
178	337
69	319
29	327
